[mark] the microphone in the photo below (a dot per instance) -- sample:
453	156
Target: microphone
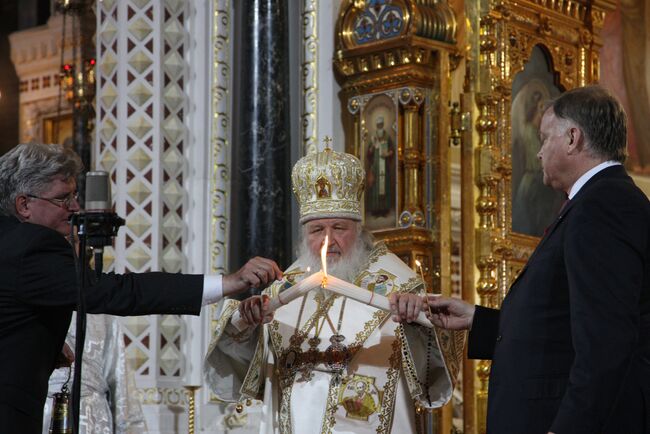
97	224
98	192
101	222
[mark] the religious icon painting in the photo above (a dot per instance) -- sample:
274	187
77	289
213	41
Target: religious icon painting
360	397
534	205
323	188
380	282
379	156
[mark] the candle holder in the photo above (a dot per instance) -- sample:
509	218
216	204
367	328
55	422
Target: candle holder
191	391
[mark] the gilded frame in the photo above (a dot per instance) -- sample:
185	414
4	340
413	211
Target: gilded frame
509	34
378	153
534	205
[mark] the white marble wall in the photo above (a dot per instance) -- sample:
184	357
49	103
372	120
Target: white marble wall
182	224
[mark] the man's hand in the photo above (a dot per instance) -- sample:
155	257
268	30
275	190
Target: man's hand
65	358
449	313
405	307
256	273
255	310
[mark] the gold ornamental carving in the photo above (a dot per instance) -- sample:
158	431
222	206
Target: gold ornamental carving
567	33
220	138
506	36
393	42
393	60
310	89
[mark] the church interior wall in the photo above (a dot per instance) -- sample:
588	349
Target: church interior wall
315	113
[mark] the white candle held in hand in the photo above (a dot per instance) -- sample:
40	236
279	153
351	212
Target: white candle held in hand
284	297
341	287
299	289
424	282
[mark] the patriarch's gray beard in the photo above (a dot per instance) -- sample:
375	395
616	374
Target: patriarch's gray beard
345	267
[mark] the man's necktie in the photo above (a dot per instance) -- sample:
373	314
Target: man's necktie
559	214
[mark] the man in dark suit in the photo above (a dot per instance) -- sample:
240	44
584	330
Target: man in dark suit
570	347
38	288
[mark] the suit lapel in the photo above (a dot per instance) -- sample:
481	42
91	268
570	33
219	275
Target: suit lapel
611	172
558	220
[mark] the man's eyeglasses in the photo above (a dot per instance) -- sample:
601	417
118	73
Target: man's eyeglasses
61	203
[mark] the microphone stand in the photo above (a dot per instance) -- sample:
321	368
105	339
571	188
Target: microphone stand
80	338
96	230
98	253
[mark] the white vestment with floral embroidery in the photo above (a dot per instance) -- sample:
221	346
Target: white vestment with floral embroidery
393	368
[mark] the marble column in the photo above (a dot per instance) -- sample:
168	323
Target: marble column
261	189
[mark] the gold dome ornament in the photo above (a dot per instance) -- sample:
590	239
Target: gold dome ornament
328	184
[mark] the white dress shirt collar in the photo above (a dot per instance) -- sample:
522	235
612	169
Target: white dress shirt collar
587	176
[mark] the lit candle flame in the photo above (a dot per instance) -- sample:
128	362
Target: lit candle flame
323	259
323	255
419	265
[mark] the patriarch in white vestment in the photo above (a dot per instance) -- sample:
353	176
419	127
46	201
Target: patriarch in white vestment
324	363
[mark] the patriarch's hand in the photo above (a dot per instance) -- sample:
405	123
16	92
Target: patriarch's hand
255	310
405	307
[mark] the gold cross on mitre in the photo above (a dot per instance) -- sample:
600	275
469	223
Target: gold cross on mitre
327	140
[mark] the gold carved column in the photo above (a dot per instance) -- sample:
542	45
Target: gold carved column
412	163
393	60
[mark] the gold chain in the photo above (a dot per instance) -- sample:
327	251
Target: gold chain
338	327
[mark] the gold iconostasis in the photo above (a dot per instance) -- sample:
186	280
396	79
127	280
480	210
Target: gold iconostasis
427	85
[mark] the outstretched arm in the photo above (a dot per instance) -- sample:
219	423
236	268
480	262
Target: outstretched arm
449	313
455	314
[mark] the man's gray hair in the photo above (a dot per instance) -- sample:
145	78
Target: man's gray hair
30	168
599	115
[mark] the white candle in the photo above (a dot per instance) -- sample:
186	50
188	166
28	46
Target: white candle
285	297
419	265
299	289
341	287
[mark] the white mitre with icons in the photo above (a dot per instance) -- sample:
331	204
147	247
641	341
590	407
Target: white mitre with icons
328	184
